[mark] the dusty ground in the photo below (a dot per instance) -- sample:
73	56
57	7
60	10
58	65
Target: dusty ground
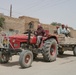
64	65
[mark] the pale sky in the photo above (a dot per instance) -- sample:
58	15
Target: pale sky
47	11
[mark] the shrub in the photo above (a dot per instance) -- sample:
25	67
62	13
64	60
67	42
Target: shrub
2	22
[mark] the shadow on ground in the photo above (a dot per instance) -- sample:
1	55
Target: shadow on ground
37	59
10	64
65	55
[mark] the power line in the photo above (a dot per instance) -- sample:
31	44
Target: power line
46	4
4	9
39	7
28	4
53	5
33	5
36	5
9	10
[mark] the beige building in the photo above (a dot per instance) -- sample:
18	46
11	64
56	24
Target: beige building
21	24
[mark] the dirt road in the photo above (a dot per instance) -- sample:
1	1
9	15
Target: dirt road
64	65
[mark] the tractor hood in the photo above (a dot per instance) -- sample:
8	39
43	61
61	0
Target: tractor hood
22	38
19	36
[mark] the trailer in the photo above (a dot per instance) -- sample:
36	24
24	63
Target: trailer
66	43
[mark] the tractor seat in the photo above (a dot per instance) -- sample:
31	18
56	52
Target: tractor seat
46	32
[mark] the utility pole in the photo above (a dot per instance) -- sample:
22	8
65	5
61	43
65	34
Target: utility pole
11	10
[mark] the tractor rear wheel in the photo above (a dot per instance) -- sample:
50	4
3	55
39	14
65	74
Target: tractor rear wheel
50	50
26	58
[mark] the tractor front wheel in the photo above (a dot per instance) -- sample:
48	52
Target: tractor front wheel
26	58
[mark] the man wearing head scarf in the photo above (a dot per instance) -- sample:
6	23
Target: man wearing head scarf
62	29
67	31
40	32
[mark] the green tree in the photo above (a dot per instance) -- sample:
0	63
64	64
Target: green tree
59	24
54	23
2	22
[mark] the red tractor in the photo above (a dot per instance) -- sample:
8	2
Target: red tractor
25	46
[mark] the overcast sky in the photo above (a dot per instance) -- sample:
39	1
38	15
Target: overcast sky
48	11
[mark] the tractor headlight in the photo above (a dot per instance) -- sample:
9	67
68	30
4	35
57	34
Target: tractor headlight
13	40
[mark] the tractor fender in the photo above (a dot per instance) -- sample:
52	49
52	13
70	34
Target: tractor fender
52	36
